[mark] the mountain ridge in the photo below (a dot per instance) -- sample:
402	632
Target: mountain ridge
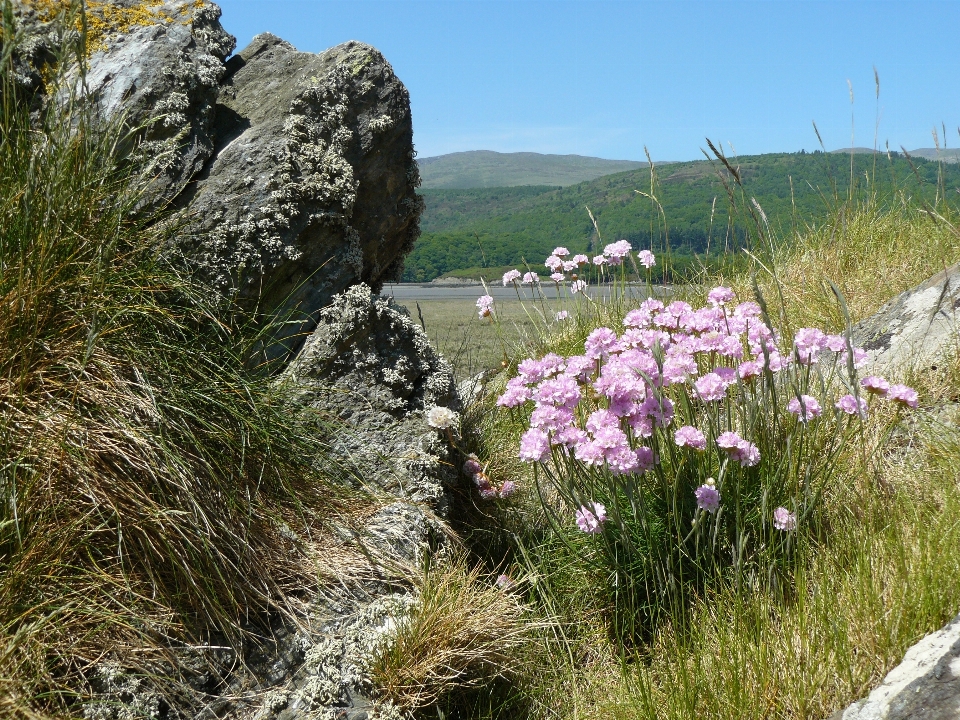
489	169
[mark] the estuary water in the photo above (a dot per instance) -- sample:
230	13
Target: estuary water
438	291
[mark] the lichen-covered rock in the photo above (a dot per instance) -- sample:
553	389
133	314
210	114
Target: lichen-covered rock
372	368
925	686
313	185
914	329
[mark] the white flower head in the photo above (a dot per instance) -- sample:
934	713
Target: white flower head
441	418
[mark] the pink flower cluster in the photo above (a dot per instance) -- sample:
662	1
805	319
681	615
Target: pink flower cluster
601	408
625	385
589	519
484	306
900	394
561	263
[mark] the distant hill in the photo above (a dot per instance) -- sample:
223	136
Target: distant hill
947	155
470	228
486	169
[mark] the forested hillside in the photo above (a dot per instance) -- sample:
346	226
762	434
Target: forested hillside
493	227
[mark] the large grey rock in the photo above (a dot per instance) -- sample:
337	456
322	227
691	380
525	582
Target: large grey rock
313	185
292	173
914	329
925	686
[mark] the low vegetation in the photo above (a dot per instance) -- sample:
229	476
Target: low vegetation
847	564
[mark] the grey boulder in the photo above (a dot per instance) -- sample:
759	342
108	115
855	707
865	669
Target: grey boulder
914	329
925	686
370	368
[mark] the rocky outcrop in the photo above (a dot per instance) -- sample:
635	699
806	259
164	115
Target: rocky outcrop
292	174
164	78
369	366
370	369
916	328
312	187
156	64
925	686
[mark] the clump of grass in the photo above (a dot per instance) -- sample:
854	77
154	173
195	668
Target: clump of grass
463	633
150	480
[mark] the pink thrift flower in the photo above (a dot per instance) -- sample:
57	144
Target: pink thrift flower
534	445
748	309
551	419
554	263
562	315
710	387
558	277
488	493
589	452
482	482
484	305
836	343
599	260
600	343
720	296
708	497
636	318
577	286
876	385
749	369
507	489
622	460
587	521
570	437
472	465
600	419
517	393
690	436
728	441
646	258
616	252
510	276
903	395
808	343
747	454
569	266
560	391
805	407
561	252
848	404
783	519
530	278
531	370
505	582
581	259
645	458
581	367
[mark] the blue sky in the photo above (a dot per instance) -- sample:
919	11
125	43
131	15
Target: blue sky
608	77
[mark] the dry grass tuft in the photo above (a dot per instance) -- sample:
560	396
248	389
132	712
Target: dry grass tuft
462	633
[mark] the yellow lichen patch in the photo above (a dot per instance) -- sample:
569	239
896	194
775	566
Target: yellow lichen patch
104	19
